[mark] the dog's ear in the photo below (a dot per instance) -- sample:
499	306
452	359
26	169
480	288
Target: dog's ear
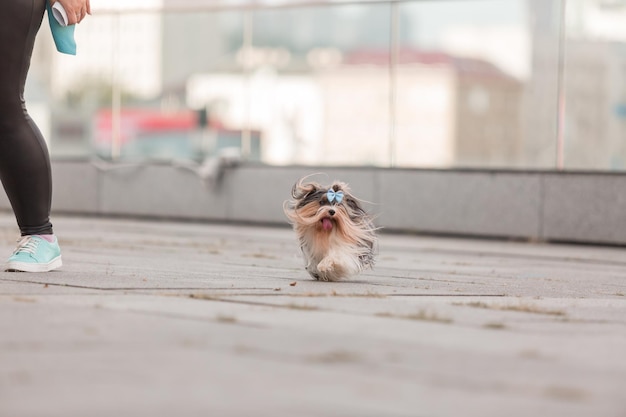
301	190
353	203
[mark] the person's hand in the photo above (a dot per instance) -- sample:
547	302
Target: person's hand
76	9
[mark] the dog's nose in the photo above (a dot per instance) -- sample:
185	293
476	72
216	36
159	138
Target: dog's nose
331	212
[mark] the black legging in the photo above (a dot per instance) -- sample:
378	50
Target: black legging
24	160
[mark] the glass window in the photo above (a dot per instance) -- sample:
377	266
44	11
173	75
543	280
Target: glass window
594	135
439	83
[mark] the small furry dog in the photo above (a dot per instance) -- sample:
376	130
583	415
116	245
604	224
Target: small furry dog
336	235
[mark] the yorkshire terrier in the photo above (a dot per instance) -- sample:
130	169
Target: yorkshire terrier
336	235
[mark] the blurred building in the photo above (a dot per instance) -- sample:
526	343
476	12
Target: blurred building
450	111
122	50
192	42
315	84
541	96
342	26
595	113
593	95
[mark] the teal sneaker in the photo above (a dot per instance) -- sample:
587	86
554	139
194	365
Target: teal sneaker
35	254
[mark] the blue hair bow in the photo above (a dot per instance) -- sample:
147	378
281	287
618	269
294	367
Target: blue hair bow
334	196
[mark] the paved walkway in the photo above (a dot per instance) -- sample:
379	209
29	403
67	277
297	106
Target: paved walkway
179	319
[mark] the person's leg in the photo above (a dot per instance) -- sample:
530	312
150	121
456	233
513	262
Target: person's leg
24	160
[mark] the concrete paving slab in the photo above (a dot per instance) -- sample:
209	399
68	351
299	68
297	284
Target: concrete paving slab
161	318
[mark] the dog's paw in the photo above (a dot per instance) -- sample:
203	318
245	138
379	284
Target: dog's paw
326	266
330	270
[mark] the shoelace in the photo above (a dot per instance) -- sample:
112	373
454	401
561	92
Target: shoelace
26	244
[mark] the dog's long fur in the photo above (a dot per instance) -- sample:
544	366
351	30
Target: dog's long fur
342	249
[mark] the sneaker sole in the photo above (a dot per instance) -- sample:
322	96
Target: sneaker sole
34	267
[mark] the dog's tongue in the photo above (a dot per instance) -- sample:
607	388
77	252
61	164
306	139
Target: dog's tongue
327	224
